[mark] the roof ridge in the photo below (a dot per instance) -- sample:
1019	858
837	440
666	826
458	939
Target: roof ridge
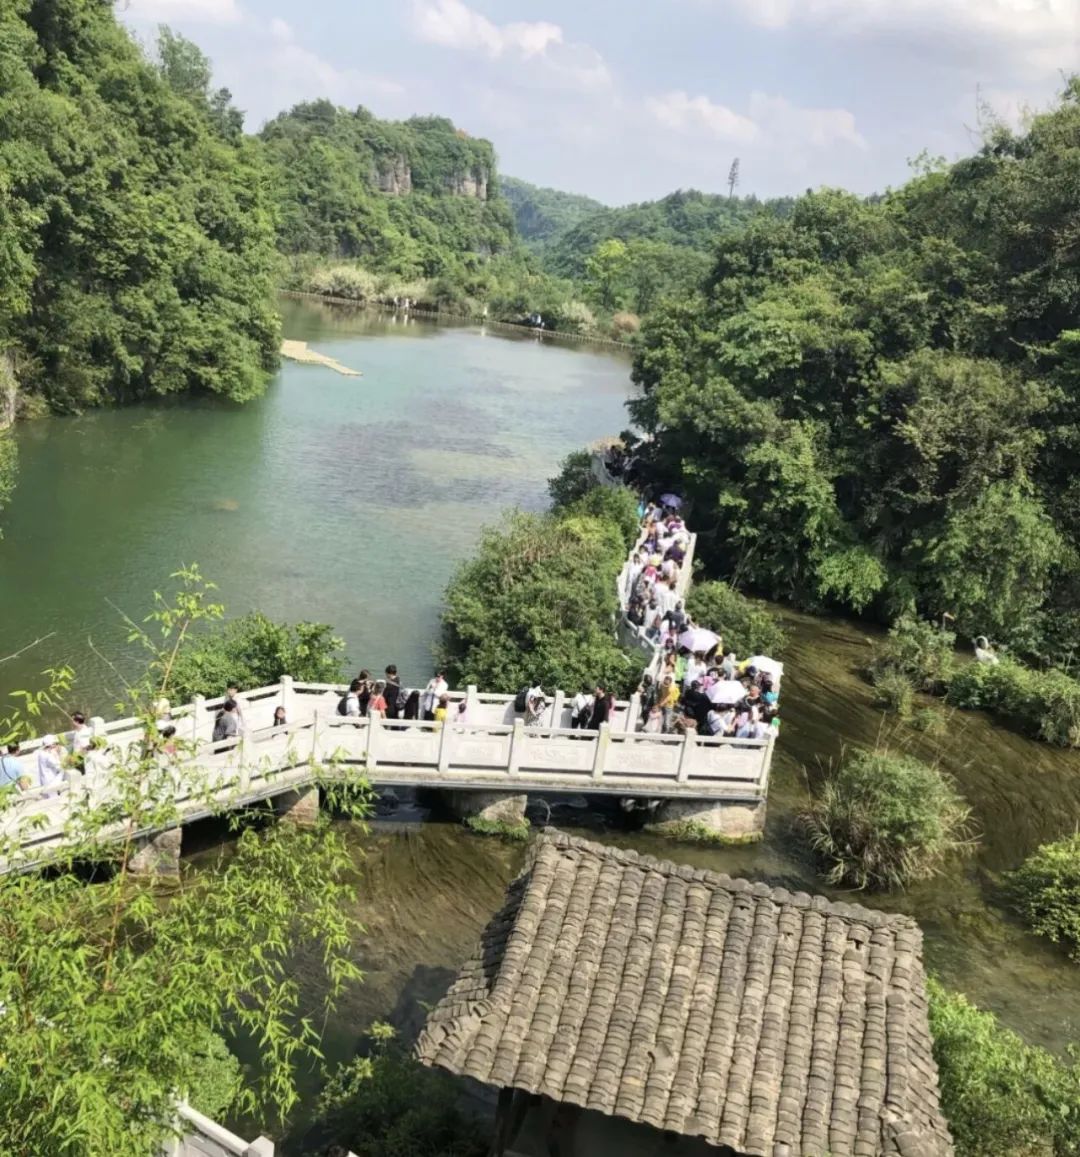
853	913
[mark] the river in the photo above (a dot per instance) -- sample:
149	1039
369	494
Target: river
350	501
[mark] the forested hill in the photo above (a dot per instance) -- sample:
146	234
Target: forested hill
876	405
136	236
412	198
686	219
542	214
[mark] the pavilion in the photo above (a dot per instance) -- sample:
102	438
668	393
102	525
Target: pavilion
683	1011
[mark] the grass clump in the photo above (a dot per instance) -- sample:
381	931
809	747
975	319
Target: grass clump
695	832
1042	704
930	721
894	691
515	832
920	651
1046	892
884	820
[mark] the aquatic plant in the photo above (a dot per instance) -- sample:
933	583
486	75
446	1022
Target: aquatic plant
894	691
882	820
1043	704
921	651
1046	892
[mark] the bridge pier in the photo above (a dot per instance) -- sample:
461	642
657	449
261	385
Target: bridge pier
157	855
710	821
299	807
490	812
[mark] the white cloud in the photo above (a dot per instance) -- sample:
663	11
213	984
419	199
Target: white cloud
453	24
779	119
697	114
200	11
1040	34
769	120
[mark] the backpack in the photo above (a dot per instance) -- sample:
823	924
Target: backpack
343	705
521	699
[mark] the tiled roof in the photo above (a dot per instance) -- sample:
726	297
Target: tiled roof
776	1023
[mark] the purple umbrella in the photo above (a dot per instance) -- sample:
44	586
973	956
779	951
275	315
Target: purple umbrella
672	500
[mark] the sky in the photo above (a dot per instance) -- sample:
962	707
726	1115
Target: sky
627	100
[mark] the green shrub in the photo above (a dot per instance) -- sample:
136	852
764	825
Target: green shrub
537	603
574	480
1046	891
215	1078
1000	1095
884	820
894	691
348	281
617	506
921	651
389	1105
254	651
1043	704
747	626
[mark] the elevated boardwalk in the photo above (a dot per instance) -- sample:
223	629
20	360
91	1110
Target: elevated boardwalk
494	752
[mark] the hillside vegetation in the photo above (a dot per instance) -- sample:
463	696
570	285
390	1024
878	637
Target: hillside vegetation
541	214
875	405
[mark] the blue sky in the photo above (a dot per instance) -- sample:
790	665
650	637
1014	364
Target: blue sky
629	99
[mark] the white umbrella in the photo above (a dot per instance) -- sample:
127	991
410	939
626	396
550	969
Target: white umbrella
764	663
698	640
726	692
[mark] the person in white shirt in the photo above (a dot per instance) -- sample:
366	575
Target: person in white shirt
580	708
233	692
695	670
433	692
535	702
81	736
50	770
352	698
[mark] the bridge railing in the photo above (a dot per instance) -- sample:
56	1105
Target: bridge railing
494	750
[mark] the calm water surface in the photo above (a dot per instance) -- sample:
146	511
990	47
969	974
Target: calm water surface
344	500
349	501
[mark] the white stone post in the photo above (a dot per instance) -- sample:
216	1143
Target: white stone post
683	774
600	754
374	731
763	779
517	742
243	772
633	714
198	712
262	1147
445	744
557	709
288	697
472	701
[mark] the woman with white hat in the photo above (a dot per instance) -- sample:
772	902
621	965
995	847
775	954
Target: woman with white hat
50	770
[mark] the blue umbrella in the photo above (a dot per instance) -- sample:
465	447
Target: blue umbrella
672	500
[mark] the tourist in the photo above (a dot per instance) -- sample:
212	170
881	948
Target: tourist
720	722
394	699
730	666
80	737
602	706
363	692
12	772
430	699
350	701
580	708
233	692
535	705
695	669
412	706
677	617
696	704
50	768
462	715
167	737
441	709
227	724
377	702
668	699
279	717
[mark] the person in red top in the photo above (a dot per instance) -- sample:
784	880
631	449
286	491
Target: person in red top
377	702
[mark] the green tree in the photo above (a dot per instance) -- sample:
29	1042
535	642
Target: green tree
605	273
110	987
1046	891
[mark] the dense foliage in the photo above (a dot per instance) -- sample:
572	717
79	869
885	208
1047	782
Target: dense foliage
1046	891
883	820
538	603
254	651
109	987
386	1104
746	626
1042	704
919	651
137	255
542	214
999	1094
872	404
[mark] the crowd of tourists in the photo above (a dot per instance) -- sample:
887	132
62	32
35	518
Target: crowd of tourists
695	685
47	766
